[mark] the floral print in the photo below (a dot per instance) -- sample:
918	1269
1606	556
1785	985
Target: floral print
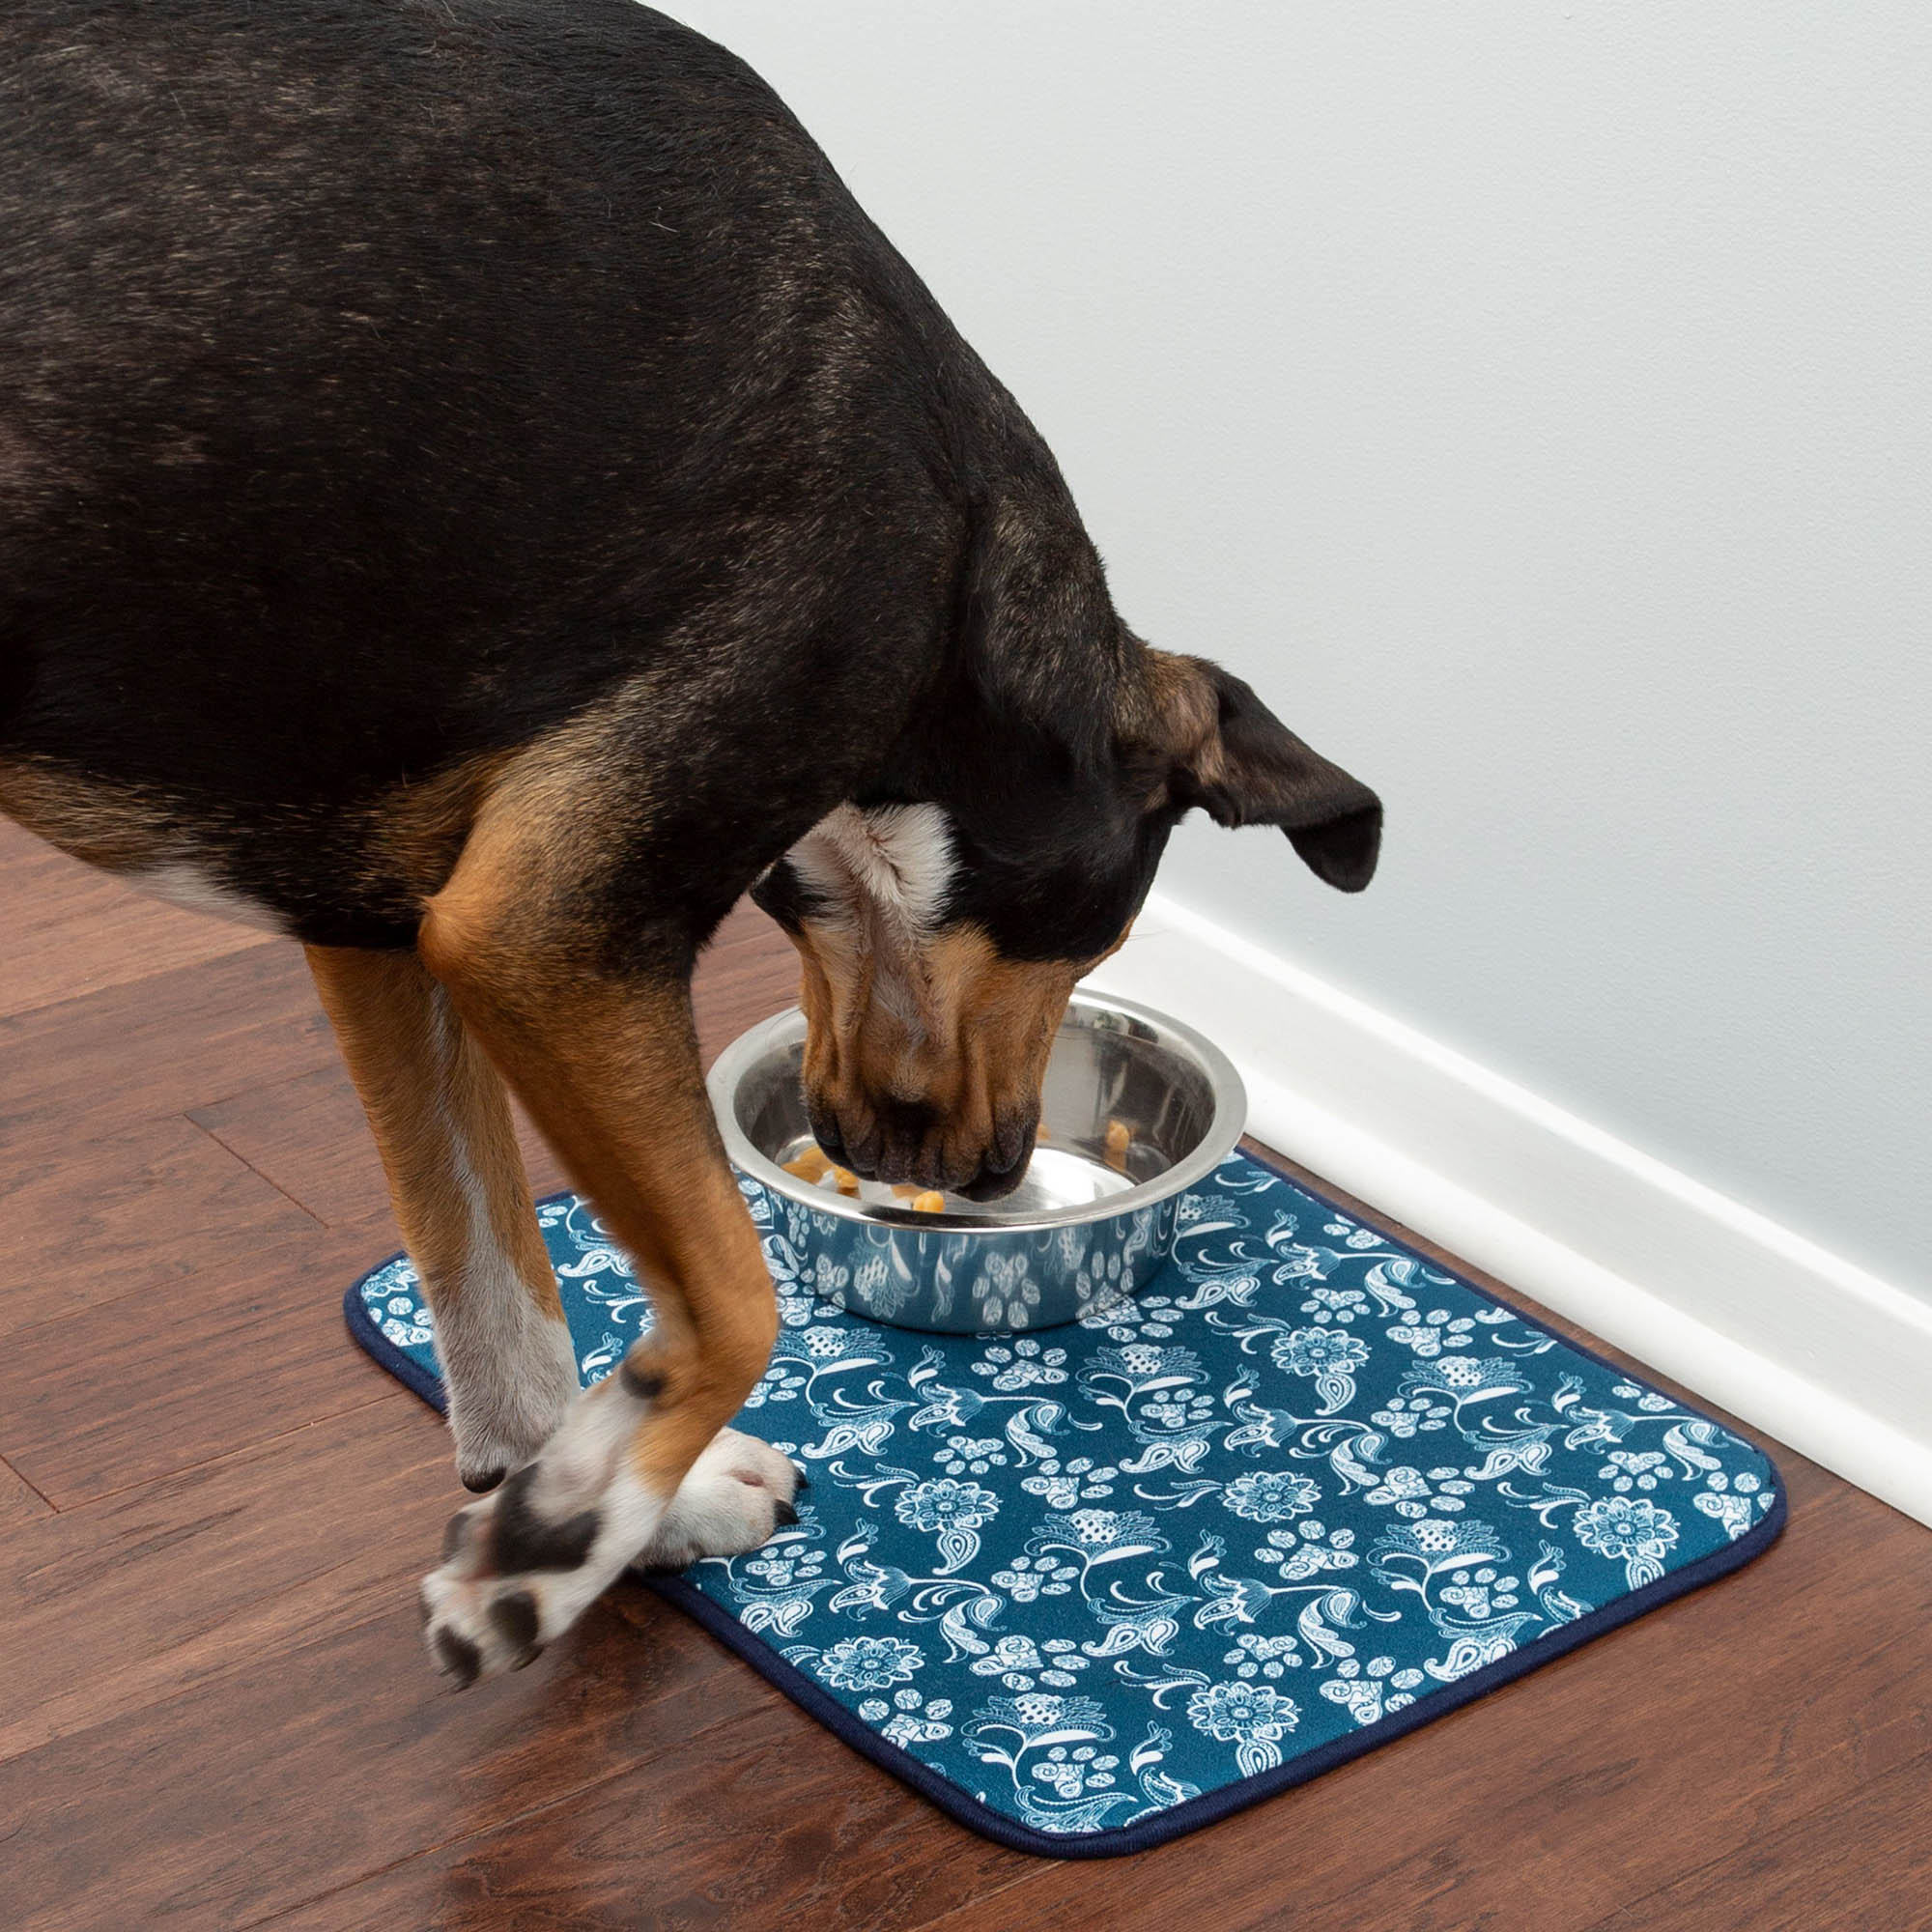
1301	1483
1079	1480
1018	1663
1024	1580
863	1662
1336	1304
1372	1691
1412	1493
1252	1717
909	1718
961	1453
1403	1416
1262	1655
1231	1711
1429	1334
390	1301
1641	1533
1312	1352
1271	1495
946	1505
1309	1550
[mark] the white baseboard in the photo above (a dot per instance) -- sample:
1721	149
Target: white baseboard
1816	1351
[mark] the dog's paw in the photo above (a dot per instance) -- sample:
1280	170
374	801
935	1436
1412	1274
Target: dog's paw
735	1496
505	1411
523	1564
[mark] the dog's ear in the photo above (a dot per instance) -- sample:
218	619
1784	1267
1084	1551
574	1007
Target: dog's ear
1226	752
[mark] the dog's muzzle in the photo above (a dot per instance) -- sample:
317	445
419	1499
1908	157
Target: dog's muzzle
905	1142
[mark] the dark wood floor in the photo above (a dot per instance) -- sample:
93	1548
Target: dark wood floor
215	1709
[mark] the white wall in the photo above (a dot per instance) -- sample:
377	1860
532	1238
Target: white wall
1536	404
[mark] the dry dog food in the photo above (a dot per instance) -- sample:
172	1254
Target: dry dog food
810	1166
813	1169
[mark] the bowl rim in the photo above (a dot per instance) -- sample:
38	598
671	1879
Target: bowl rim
1225	1128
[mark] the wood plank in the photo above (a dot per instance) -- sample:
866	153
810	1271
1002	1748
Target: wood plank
161	1045
115	1606
122	1394
19	1503
20	851
308	1742
73	930
1864	1862
309	1137
1688	1734
277	1733
88	1220
762	1821
135	1389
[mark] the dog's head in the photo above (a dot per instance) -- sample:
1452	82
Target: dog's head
941	923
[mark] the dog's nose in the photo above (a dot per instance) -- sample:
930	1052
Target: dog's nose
904	1128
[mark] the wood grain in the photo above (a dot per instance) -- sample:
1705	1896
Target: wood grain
214	1712
73	930
308	1137
89	1221
1871	1850
158	1046
168	1587
19	1501
845	1846
244	1351
307	1779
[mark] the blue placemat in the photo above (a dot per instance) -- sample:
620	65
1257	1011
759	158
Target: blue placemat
1090	1588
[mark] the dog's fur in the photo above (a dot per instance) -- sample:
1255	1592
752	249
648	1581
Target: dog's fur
477	495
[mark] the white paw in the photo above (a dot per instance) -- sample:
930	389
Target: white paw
511	1583
736	1495
520	1566
508	1405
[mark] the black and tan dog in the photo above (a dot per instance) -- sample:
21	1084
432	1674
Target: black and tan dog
477	495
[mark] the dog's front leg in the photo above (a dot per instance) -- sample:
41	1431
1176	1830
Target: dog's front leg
642	1467
442	1127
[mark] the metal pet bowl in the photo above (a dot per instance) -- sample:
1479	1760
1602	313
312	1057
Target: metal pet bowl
1135	1110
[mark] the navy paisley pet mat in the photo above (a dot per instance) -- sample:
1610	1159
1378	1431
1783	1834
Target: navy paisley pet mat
1092	1588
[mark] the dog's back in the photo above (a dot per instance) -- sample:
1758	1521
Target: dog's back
381	383
474	490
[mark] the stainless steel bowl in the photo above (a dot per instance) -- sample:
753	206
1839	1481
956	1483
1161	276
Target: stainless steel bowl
1136	1108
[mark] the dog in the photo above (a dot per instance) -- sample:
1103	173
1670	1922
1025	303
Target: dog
477	496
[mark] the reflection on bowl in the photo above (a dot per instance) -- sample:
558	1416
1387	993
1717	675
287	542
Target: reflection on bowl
1135	1110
